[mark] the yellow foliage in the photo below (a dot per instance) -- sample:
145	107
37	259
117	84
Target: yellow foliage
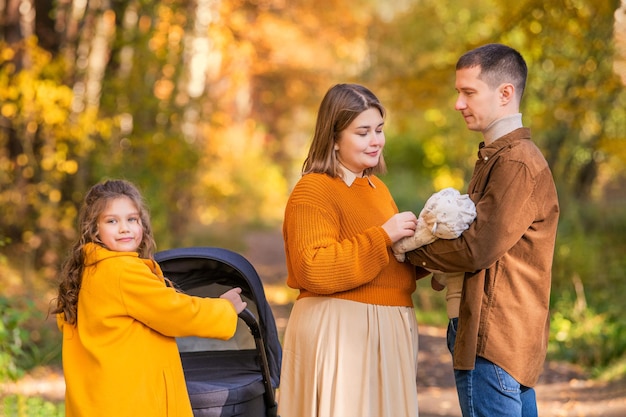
448	177
239	180
280	294
8	110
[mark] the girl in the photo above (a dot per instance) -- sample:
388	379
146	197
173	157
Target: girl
350	346
119	318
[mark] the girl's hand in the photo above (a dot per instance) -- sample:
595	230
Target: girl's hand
400	225
234	296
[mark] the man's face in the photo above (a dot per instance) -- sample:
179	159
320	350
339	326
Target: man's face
478	103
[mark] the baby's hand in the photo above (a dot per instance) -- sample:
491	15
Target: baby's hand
234	296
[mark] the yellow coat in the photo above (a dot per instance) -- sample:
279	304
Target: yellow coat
121	359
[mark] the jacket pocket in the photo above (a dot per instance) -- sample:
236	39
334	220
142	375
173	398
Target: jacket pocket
168	399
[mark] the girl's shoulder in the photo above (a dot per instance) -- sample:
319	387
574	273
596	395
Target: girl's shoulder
129	267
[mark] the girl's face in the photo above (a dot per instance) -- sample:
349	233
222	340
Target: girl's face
360	145
119	225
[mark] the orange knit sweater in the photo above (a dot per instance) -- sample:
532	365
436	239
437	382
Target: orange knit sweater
335	244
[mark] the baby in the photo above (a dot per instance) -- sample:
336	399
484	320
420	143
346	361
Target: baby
445	215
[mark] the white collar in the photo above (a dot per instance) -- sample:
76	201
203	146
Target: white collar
349	177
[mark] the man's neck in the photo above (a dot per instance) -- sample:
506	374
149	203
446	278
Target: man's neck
501	127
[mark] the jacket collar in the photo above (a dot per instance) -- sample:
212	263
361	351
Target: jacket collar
95	253
487	151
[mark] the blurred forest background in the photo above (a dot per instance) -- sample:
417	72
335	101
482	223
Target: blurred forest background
209	106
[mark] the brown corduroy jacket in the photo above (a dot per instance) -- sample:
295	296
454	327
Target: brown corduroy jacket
508	251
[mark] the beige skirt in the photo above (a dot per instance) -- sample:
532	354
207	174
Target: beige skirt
348	359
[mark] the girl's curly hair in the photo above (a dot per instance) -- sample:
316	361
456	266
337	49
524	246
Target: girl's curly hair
94	204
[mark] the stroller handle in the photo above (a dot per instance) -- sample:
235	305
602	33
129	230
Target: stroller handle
248	317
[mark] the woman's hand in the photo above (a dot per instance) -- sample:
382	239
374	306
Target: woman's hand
423	236
400	225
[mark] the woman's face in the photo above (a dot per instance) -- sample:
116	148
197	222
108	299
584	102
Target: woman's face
360	145
119	225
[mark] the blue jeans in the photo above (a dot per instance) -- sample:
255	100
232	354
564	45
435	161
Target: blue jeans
488	390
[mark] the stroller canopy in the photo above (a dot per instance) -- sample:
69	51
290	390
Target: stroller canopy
190	267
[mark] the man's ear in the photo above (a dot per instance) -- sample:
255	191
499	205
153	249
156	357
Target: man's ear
507	93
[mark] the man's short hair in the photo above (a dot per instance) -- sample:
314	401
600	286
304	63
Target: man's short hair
498	64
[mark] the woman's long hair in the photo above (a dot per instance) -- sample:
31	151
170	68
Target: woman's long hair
94	204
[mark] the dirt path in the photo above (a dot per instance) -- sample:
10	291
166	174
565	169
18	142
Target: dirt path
563	390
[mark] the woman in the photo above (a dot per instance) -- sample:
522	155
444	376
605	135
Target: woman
350	347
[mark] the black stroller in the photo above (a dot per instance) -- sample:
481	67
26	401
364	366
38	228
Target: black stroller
230	378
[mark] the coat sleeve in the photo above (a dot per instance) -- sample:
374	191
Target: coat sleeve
321	261
171	313
505	210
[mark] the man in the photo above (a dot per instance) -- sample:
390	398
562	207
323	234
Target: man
507	252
